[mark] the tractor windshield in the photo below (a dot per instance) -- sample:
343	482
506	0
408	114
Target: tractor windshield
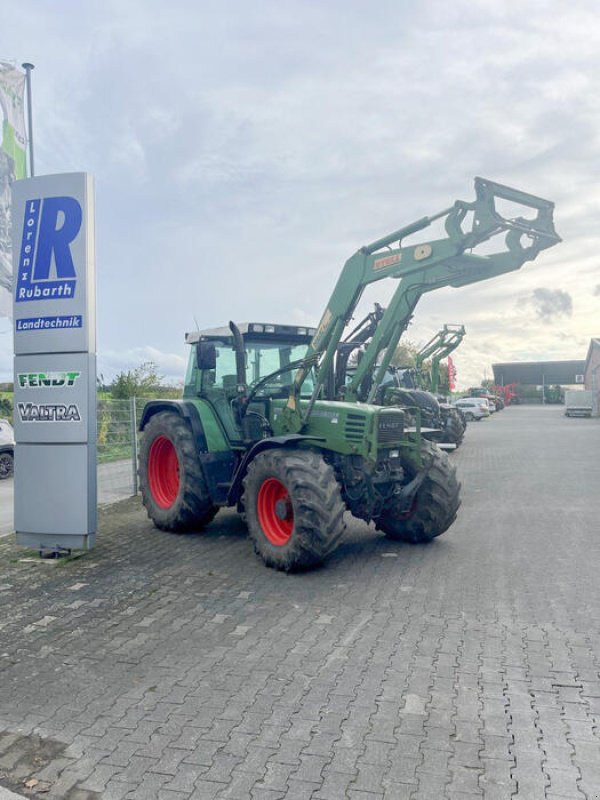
264	358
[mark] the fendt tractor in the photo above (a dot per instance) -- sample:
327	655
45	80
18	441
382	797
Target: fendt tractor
254	430
409	388
420	379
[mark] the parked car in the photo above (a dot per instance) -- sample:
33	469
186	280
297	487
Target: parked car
473	408
7	449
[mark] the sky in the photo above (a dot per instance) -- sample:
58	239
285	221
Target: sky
242	151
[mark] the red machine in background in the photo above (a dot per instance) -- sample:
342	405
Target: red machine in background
508	393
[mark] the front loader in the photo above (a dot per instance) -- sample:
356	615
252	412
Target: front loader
437	349
254	431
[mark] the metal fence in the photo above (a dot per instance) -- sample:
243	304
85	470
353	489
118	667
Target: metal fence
118	448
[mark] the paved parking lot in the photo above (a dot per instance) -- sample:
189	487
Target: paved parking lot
176	667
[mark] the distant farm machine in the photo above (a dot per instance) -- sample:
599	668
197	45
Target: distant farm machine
262	426
437	349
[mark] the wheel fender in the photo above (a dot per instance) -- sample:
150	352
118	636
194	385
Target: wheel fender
186	410
273	442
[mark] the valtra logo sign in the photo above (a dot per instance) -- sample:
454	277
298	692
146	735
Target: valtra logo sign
46	270
48	412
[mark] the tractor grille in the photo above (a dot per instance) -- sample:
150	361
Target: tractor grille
390	427
354	430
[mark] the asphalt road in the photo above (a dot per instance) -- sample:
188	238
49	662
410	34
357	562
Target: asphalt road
165	667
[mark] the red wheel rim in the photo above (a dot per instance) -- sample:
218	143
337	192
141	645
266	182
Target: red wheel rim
163	472
275	512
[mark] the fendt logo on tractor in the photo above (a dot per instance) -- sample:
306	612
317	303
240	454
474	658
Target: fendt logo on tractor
46	270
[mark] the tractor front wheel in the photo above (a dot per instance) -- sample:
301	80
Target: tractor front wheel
434	506
454	430
172	485
293	507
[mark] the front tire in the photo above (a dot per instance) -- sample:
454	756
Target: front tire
434	507
454	431
294	508
7	465
172	484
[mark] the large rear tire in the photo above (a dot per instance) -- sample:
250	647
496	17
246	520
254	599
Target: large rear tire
294	508
434	507
172	485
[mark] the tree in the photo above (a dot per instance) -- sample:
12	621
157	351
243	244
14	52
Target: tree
140	382
405	354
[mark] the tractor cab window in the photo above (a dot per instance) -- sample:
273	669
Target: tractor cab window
264	358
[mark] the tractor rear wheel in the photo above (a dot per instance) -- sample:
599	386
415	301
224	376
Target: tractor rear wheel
293	507
171	481
434	507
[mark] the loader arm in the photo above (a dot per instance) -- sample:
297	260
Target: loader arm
437	348
422	268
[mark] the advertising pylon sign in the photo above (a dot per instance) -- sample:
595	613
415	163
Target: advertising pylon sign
54	310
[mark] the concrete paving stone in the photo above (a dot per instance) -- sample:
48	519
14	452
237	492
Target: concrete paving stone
380	752
259	793
155	747
97	780
148	788
368	778
430	787
117	790
240	786
404	791
465	755
562	781
434	762
310	769
403	770
499	747
465	780
335	786
184	780
222	767
205	790
203	753
300	790
135	770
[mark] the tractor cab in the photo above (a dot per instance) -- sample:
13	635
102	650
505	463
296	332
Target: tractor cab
247	367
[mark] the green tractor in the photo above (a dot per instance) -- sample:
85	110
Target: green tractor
253	430
404	387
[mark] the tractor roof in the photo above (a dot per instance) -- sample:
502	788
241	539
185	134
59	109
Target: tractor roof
265	331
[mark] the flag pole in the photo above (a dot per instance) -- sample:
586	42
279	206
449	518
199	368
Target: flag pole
28	67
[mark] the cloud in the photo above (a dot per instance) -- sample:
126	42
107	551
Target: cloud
548	304
597	291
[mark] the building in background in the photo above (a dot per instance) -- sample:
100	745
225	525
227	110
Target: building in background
592	374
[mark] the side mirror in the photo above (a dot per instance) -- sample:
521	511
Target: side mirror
206	355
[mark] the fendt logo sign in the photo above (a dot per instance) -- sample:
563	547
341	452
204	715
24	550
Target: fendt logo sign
46	270
51	380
